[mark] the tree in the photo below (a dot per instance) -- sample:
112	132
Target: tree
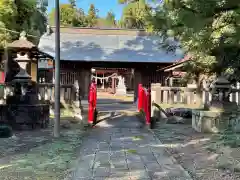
135	14
110	19
107	22
7	12
69	16
92	16
207	30
126	1
22	15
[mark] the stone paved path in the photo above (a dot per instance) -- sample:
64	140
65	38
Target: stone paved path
119	149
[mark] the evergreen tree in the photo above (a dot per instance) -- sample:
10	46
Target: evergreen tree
110	19
135	14
92	16
29	16
69	16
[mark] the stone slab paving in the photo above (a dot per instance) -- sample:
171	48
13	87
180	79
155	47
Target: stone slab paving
119	149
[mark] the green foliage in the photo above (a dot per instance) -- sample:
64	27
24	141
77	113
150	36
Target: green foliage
72	16
107	22
27	15
110	19
135	14
208	30
69	16
92	16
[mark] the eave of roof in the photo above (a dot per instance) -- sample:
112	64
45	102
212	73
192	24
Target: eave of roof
103	31
108	45
176	65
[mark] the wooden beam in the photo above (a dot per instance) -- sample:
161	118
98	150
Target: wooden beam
174	67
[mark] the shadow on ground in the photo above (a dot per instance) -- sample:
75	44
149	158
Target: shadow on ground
36	154
190	149
120	148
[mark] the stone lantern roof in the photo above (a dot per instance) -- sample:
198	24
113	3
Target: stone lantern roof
221	82
22	43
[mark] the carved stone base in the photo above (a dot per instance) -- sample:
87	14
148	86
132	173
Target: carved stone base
222	106
215	121
25	116
121	91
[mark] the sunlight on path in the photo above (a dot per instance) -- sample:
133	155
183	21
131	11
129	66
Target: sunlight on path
120	149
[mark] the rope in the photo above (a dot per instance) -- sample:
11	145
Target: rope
5	29
105	78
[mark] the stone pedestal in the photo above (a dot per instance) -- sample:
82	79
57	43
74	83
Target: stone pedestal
156	93
207	121
220	114
121	88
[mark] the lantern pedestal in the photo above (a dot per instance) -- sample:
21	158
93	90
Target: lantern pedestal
220	114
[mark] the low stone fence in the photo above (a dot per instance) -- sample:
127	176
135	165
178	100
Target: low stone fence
46	92
186	95
214	122
67	92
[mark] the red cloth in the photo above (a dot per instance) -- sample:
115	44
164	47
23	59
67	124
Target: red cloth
2	77
92	100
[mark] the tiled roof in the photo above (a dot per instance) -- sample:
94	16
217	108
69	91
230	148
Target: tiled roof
107	45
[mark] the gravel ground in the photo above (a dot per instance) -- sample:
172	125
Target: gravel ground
36	155
189	148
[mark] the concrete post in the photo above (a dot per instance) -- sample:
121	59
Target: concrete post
156	93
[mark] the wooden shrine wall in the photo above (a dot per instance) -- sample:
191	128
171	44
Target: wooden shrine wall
154	77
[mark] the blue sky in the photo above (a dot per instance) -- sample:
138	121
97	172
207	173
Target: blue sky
102	5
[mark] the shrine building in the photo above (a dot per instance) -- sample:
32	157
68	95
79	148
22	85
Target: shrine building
105	54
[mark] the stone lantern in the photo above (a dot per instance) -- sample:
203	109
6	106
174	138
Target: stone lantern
28	65
22	77
220	90
27	73
23	108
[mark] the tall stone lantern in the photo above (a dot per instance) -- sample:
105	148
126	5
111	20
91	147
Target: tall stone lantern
220	90
23	107
28	65
27	72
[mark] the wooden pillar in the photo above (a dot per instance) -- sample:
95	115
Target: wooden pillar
87	81
96	79
103	82
137	80
84	79
113	85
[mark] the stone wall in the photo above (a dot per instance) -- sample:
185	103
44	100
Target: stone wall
214	122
